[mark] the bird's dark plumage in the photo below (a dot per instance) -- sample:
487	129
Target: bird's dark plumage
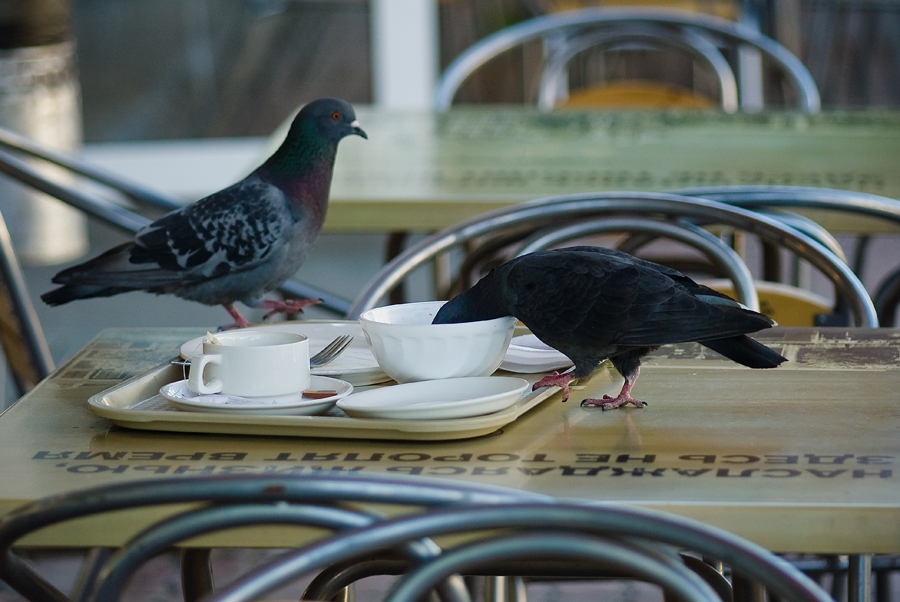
592	304
236	244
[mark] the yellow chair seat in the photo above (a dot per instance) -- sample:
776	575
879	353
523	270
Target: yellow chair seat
786	304
636	95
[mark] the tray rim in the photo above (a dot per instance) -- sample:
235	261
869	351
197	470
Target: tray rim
331	427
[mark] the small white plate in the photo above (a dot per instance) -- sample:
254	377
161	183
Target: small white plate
295	404
527	354
436	399
356	365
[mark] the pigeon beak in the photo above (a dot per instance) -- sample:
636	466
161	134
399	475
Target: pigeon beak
354	126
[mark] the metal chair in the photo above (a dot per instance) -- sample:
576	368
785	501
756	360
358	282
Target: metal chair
788	305
524	537
568	33
27	353
507	532
720	255
760	198
113	211
535	214
211	504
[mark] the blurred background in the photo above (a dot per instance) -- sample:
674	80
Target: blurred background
161	69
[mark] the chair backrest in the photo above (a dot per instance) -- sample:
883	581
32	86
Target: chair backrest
525	537
568	33
514	533
536	214
760	197
203	505
719	254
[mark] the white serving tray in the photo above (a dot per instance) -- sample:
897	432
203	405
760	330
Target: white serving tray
136	403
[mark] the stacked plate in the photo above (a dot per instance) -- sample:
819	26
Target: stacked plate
529	355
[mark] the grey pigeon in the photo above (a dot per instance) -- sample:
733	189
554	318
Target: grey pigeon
236	244
593	304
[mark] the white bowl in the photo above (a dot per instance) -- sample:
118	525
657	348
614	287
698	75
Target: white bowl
410	348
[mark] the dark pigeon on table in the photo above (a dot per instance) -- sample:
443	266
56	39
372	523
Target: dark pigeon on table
594	304
236	244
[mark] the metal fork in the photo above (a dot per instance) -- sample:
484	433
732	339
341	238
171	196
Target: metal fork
325	356
331	351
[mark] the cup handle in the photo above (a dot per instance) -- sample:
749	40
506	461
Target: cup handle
195	377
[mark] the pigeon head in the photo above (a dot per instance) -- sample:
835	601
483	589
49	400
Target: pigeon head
311	141
481	302
332	117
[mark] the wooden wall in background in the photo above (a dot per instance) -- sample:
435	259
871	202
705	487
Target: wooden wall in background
174	69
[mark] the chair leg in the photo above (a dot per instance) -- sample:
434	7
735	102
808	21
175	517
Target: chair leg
504	589
859	578
746	590
87	576
196	573
395	243
711	575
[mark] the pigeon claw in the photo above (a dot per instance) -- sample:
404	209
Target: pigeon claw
239	320
611	403
290	306
555	380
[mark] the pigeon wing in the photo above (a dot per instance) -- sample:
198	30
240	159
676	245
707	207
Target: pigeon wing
613	298
231	231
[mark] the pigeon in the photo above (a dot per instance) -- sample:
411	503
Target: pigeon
236	244
593	304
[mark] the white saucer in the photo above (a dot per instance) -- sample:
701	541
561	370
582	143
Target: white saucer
356	365
294	404
436	399
529	355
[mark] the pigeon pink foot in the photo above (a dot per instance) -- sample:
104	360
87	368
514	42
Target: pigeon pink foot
291	306
555	380
239	320
611	403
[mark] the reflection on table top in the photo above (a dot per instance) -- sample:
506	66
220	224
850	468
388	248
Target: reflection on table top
800	458
423	171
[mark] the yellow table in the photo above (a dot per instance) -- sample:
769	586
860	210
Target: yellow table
801	458
423	171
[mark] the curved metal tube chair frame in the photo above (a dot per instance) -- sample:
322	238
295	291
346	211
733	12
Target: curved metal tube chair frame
331	581
24	345
702	211
808	197
719	253
232	501
690	41
887	297
109	212
808	227
800	197
635	541
579	20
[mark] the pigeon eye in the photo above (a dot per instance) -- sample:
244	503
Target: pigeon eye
335	116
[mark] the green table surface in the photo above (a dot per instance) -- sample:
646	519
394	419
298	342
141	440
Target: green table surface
425	171
801	458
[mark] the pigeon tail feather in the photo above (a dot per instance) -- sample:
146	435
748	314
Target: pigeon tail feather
67	293
744	350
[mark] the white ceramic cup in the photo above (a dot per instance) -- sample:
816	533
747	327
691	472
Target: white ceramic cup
251	363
